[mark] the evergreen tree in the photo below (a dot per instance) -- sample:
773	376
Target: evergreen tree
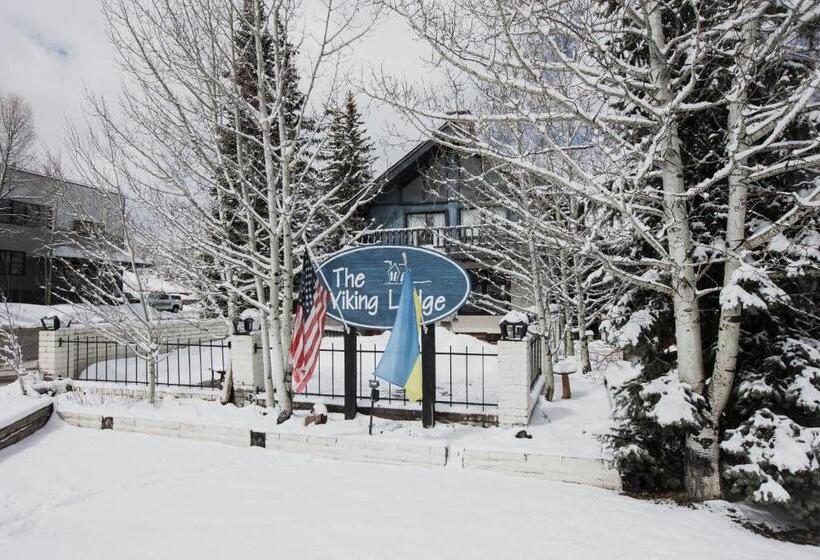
348	158
777	386
241	119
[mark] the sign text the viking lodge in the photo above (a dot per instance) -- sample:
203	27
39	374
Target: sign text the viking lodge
365	284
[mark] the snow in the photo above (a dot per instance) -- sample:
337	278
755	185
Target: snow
77	493
29	314
674	406
567	365
458	377
26	315
803	389
319	408
770	491
629	334
772	441
563	427
185	365
515	317
15	406
151	283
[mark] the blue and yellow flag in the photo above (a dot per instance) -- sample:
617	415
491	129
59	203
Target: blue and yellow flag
401	361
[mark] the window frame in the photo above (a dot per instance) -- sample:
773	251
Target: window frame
11	260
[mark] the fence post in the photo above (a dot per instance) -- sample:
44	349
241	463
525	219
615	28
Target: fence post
428	375
517	368
246	361
350	372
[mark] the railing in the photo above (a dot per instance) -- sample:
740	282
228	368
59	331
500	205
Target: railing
535	349
180	363
464	378
449	238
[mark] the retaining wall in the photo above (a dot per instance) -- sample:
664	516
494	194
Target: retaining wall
25	426
588	471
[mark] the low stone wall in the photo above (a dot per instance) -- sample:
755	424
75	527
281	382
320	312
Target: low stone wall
58	358
25	426
579	470
350	449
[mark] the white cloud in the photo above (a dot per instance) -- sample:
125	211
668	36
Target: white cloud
53	51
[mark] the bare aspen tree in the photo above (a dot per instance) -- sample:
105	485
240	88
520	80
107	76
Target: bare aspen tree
17	135
632	105
224	220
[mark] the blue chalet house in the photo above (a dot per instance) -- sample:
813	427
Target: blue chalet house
422	203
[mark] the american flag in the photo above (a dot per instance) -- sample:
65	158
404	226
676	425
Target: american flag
309	325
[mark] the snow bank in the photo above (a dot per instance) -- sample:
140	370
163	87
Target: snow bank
15	406
97	495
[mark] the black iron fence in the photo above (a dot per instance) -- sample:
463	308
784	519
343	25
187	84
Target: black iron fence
535	349
465	377
180	362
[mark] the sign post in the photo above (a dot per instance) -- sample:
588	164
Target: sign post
428	375
350	372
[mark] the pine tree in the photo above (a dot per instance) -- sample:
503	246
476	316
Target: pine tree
253	174
777	388
348	156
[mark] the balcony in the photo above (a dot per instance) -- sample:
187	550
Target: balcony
449	239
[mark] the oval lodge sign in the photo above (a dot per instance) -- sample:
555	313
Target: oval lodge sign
365	284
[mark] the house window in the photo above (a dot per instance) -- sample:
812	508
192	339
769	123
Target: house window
426	220
470	217
23	213
12	263
476	217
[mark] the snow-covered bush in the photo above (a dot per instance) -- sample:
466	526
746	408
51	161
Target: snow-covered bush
774	460
651	420
771	443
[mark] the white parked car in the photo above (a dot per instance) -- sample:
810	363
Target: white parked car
164	302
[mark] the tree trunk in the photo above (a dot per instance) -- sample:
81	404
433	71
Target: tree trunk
728	344
152	377
701	465
701	457
586	365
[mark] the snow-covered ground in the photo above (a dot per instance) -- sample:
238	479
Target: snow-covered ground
26	315
182	365
76	493
563	427
14	406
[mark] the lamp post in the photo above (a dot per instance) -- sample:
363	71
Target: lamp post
51	323
374	398
514	326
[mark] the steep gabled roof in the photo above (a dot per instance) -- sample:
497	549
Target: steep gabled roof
408	165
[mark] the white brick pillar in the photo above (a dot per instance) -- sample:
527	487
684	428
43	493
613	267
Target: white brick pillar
515	400
52	358
246	361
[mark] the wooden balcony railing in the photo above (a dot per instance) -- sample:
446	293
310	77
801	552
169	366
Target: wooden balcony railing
449	238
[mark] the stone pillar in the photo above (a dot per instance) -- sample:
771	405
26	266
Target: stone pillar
515	399
246	361
53	357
